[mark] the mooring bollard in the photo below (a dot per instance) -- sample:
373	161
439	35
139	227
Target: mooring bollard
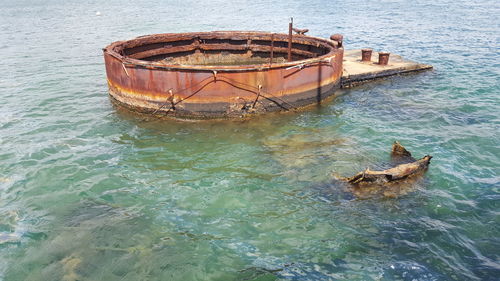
337	38
366	55
383	58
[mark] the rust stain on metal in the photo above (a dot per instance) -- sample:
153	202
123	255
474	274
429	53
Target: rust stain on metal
222	73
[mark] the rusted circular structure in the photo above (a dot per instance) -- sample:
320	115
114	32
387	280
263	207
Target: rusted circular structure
221	74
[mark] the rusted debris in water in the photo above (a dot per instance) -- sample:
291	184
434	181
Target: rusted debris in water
226	74
398	173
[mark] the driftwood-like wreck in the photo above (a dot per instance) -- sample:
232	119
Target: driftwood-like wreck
409	168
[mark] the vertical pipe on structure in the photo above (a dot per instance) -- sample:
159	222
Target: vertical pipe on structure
272	49
290	26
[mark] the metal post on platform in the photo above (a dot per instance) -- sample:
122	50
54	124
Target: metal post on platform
290	28
272	49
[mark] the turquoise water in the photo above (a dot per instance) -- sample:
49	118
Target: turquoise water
89	192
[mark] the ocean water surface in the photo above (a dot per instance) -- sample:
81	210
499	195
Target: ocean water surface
91	192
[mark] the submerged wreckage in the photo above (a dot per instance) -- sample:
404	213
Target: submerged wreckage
225	74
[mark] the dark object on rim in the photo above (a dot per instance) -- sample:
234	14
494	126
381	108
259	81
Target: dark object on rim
222	73
399	153
337	38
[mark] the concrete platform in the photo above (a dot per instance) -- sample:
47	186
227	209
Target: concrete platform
356	72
